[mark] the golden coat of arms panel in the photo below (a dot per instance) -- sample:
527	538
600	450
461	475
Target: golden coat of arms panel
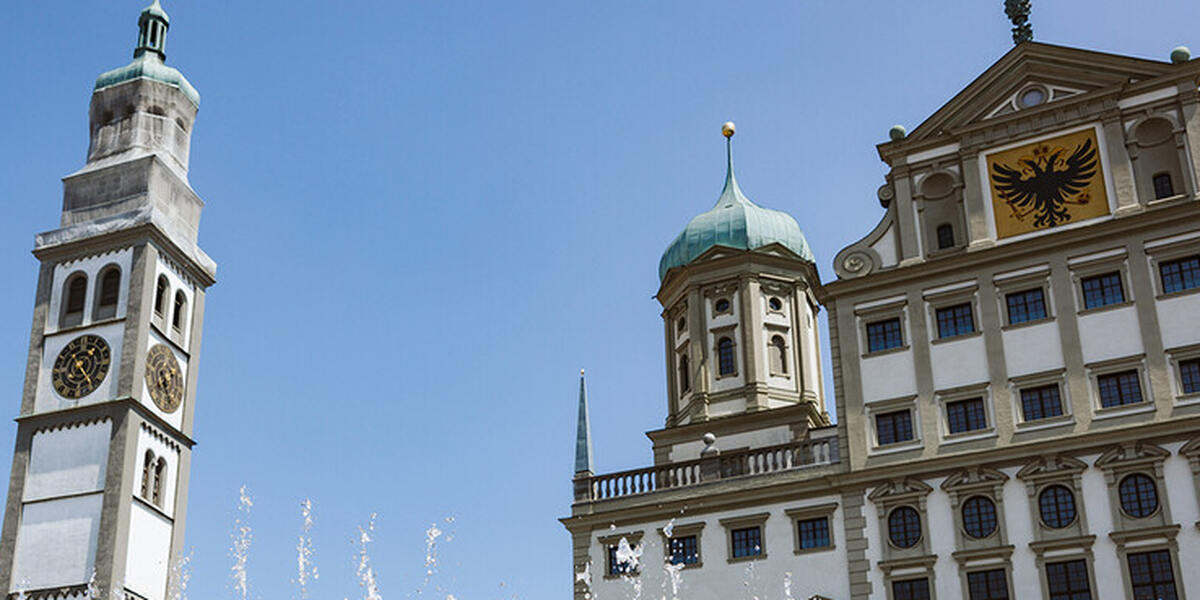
1046	184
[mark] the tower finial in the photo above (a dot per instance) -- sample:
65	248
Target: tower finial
153	23
583	432
1018	13
732	193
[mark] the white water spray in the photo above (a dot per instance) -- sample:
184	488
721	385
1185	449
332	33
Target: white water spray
366	574
181	573
305	567
240	550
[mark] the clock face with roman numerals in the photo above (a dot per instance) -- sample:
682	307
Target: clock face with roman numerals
164	378
81	366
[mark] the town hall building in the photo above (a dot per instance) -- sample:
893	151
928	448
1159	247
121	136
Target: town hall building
1016	367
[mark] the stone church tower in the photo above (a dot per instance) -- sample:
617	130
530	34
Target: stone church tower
98	491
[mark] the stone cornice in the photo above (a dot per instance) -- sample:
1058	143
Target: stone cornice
102	410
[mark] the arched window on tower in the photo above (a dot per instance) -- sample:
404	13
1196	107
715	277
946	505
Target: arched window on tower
73	300
180	305
778	355
685	379
147	473
108	293
160	296
726	364
160	475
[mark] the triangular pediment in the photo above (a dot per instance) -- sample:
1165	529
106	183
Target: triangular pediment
1057	71
1051	466
977	477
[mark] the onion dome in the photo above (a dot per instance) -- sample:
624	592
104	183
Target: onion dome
148	57
735	222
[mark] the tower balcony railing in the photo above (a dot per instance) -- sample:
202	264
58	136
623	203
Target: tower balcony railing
715	467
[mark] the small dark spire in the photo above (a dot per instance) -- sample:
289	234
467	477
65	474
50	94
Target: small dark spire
1018	13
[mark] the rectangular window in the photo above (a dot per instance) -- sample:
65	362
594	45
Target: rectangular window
1119	389
884	335
955	320
910	589
746	541
894	427
1179	275
1029	305
814	533
1068	580
1163	188
966	415
1152	576
685	550
616	566
1041	402
1102	290
987	585
1189	375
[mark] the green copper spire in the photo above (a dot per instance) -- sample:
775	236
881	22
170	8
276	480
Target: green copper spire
149	55
152	31
735	222
583	432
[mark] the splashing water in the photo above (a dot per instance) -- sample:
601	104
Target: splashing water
669	528
92	592
431	536
21	587
366	574
749	582
240	550
305	567
181	573
787	585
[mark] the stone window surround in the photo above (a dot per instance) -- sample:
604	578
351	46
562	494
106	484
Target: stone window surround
913	568
871	409
989	559
1065	550
1133	144
729	331
612	540
1115	260
967	484
967	392
1174	357
742	522
1135	363
891	310
1023	282
769	332
1161	538
888	497
1033	380
1127	459
1166	252
681	531
816	511
963	293
1045	472
1191	451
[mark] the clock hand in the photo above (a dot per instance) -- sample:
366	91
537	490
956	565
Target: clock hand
79	366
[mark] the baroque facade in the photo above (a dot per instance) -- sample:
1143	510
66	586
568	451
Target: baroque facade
1016	367
97	497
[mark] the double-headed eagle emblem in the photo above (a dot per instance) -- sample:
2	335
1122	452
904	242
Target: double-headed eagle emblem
1045	182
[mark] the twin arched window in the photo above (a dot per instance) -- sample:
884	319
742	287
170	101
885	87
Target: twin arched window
160	303
75	291
154	475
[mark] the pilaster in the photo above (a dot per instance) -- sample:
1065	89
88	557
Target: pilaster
753	344
1119	166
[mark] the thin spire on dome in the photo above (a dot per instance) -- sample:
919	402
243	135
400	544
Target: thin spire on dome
583	432
732	193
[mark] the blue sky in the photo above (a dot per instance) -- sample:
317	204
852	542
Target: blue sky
429	215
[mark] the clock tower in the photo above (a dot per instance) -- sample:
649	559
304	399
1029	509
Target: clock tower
98	490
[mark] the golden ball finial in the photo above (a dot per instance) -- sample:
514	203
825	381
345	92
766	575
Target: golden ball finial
728	129
581	371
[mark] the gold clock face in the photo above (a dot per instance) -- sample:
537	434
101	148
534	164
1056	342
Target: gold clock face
164	378
81	366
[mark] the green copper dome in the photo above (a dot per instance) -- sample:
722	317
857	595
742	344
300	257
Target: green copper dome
735	222
149	66
148	57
